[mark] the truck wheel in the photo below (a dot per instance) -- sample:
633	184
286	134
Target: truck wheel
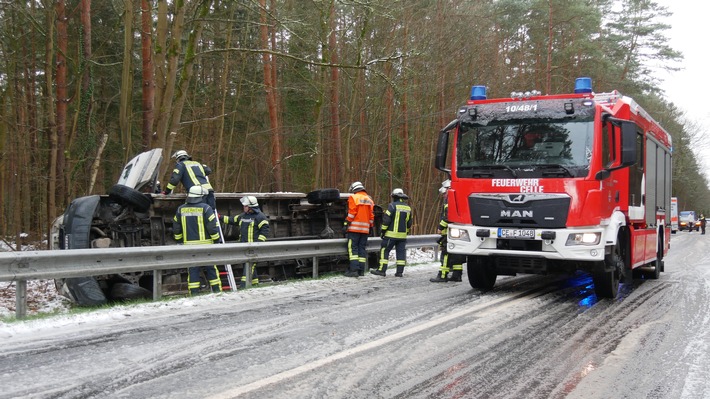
128	196
324	195
606	283
128	291
658	264
85	291
481	272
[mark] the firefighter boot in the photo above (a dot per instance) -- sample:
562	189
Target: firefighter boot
439	278
400	270
382	271
455	276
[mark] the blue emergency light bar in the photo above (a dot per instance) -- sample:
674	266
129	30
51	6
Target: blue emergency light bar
583	85
478	93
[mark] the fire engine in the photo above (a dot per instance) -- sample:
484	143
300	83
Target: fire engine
557	184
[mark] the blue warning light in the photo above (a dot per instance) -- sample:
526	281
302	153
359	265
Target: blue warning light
478	93
583	85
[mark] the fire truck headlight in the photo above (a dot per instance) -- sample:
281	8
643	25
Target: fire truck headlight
584	239
458	234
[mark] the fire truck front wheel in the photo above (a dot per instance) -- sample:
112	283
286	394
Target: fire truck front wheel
606	283
481	272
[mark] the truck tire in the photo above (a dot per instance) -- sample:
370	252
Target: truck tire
128	196
128	291
606	283
481	272
85	291
655	274
322	196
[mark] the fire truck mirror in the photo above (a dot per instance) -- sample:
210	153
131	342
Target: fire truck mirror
441	151
628	143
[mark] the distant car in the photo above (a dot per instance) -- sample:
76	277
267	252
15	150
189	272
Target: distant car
688	221
132	214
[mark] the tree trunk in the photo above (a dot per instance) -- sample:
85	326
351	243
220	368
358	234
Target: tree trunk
269	85
148	82
186	76
167	70
51	129
337	162
160	70
62	102
124	118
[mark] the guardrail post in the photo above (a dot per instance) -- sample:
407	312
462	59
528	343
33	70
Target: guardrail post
20	299
157	284
315	267
247	274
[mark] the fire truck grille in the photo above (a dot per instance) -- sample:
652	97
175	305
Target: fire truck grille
534	212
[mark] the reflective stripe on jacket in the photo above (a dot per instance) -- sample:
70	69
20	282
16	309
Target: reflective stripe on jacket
397	220
253	226
195	224
190	173
361	213
444	220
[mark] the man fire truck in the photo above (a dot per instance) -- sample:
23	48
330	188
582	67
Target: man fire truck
557	183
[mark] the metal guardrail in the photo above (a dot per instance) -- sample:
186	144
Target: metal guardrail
53	264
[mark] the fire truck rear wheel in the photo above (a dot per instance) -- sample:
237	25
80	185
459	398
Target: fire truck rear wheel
481	272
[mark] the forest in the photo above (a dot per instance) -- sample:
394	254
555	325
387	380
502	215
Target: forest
297	95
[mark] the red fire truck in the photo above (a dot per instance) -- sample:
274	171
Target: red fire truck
555	184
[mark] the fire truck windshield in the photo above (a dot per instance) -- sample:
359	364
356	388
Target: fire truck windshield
525	148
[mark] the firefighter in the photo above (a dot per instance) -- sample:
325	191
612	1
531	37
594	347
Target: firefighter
253	227
396	222
196	223
190	173
358	222
703	222
451	267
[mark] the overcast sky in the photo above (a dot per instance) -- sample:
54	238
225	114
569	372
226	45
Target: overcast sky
688	89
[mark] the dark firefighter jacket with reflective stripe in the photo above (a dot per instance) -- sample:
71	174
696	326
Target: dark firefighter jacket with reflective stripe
444	220
195	224
397	220
190	173
252	226
361	213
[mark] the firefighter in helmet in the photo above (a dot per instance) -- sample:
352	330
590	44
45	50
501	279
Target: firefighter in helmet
196	223
451	267
253	227
396	223
190	173
356	227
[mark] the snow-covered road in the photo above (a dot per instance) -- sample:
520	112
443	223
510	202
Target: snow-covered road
532	337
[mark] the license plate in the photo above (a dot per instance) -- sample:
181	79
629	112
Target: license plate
516	233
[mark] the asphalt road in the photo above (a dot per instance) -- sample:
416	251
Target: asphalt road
374	337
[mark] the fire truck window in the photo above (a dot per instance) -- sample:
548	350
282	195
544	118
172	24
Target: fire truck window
524	144
636	174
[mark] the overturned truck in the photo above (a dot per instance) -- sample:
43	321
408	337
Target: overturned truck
132	214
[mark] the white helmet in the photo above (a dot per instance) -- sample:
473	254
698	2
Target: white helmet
399	193
195	194
445	185
180	155
356	186
249	201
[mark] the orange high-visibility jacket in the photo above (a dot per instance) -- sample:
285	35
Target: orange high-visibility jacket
361	214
